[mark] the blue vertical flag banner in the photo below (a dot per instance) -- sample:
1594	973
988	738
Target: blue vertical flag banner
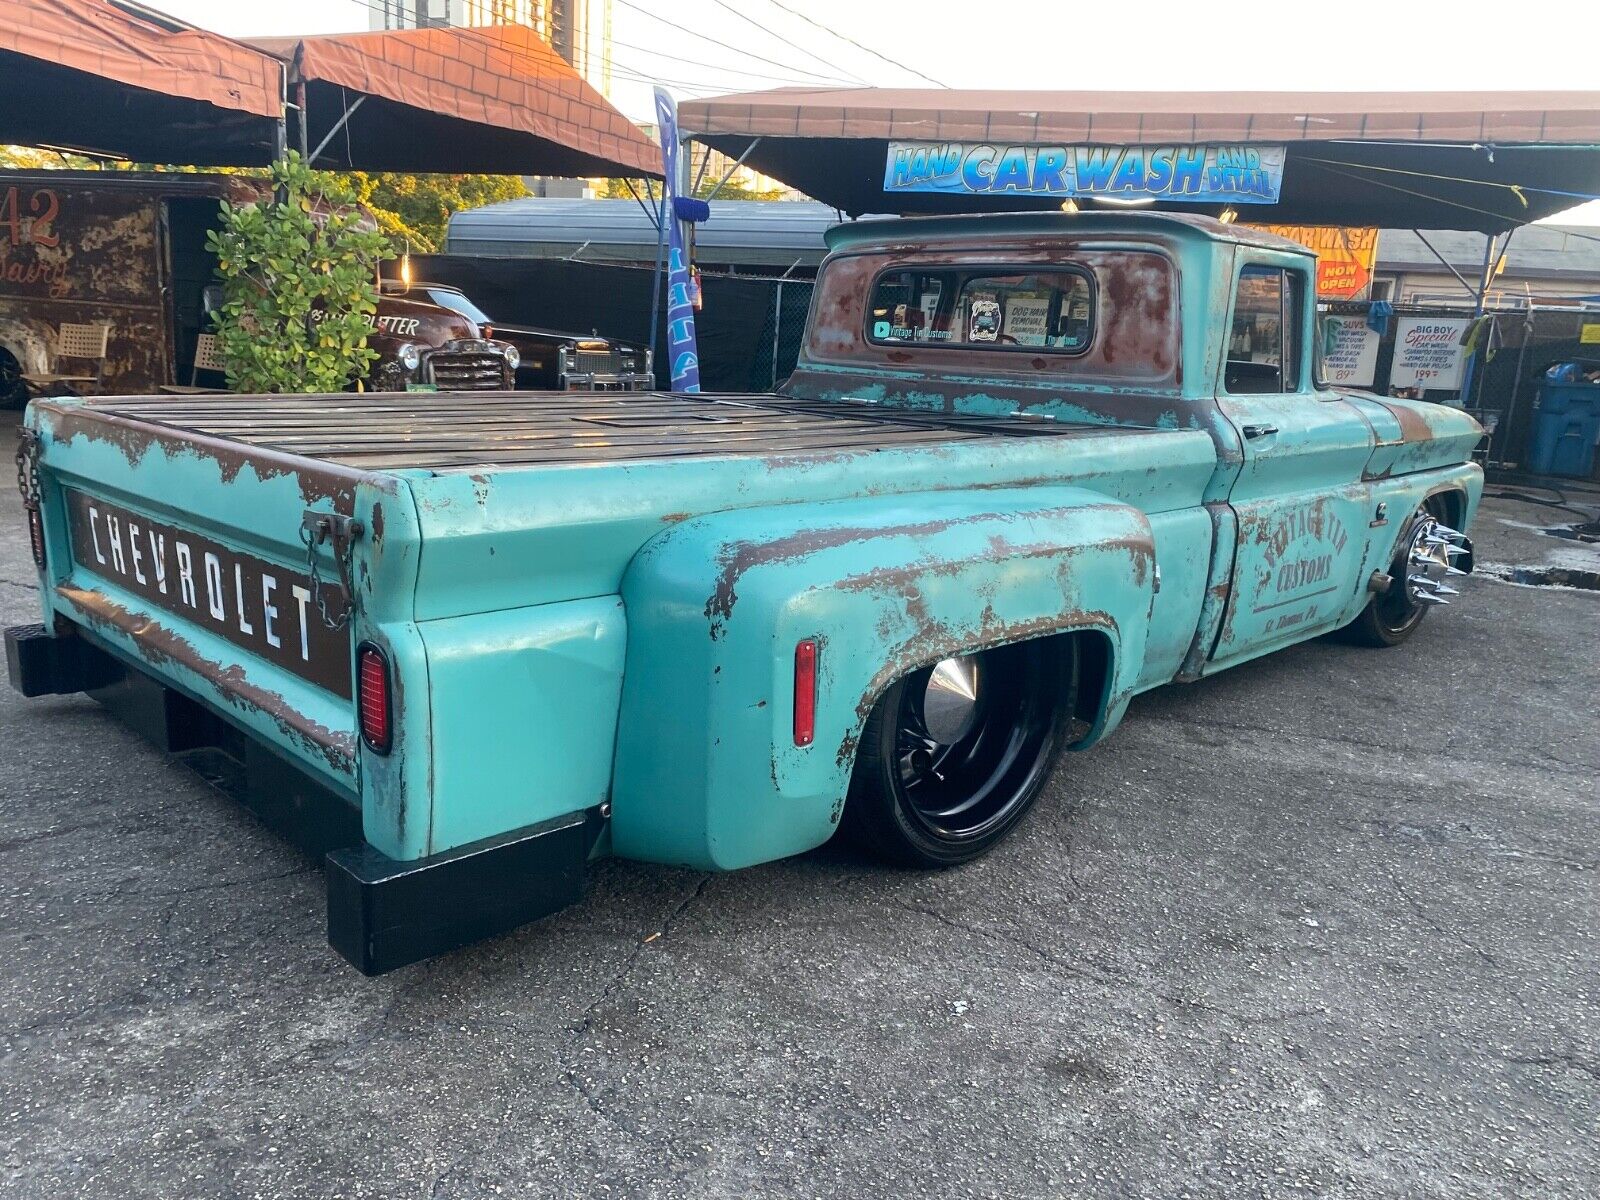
1196	174
682	353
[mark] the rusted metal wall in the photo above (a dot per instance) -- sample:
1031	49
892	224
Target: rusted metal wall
86	254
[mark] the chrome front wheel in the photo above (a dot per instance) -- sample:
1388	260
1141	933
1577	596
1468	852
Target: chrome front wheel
1429	555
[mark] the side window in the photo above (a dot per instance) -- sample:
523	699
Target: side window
1264	355
984	309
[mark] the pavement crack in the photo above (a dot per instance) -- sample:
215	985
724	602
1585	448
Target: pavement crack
19	585
1571	1062
586	1020
1093	972
141	894
29	839
1113	977
1454	935
581	1028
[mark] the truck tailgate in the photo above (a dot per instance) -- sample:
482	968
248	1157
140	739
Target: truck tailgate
183	554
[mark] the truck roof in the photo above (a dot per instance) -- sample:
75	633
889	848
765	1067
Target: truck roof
897	231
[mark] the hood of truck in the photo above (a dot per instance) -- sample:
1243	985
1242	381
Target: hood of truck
1413	435
399	320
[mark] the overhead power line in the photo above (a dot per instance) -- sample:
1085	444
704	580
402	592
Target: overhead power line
712	66
635	77
828	29
771	62
773	33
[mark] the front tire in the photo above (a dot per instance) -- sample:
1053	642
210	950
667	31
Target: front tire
954	755
1392	616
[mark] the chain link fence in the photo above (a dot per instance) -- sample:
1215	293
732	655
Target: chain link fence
783	332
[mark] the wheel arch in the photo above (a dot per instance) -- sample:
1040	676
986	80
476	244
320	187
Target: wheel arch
1448	503
28	341
1095	651
883	587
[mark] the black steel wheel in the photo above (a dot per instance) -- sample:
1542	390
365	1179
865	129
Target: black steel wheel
955	754
13	388
1424	559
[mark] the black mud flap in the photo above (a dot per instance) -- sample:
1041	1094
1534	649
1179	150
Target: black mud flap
41	664
384	914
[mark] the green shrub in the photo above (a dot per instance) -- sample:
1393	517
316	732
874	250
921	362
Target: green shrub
299	279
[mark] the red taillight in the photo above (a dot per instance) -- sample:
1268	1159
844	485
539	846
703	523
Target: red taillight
372	698
36	536
805	692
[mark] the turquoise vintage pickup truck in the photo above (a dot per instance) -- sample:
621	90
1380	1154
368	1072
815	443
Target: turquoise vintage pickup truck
1027	467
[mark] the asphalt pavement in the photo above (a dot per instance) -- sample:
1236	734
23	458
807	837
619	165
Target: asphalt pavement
1325	925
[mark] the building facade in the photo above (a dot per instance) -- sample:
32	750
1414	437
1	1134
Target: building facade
1543	265
578	30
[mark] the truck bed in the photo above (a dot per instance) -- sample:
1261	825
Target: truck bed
461	431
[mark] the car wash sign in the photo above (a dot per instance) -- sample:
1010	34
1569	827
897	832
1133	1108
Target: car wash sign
1193	174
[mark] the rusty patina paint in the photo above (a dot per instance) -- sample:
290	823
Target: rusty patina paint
161	647
1137	336
99	422
740	557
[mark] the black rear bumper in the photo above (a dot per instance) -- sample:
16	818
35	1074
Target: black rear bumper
382	913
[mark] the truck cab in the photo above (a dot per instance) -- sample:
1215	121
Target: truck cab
1027	468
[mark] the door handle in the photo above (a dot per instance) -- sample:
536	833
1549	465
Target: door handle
1257	431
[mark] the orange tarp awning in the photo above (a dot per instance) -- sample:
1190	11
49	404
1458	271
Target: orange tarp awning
489	99
94	37
88	75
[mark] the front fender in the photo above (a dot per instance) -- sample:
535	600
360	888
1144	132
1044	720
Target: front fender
707	772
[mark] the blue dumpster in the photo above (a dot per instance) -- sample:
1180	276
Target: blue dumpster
1566	421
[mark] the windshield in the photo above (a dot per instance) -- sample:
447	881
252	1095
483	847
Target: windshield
455	301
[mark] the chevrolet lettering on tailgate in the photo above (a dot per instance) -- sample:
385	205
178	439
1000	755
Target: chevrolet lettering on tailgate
262	607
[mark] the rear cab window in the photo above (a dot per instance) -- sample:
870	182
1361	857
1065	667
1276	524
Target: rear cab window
984	308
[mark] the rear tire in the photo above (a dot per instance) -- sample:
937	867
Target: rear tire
13	388
954	755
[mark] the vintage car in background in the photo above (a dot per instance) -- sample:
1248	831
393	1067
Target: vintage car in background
550	359
105	280
1028	467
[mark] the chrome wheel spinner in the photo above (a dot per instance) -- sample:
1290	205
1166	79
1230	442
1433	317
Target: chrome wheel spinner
1430	560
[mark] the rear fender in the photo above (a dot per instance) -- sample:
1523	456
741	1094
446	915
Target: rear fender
707	771
29	343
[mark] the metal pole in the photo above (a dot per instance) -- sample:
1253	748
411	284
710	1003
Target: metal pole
655	278
280	135
337	125
737	163
1489	260
639	200
777	325
1516	391
1460	278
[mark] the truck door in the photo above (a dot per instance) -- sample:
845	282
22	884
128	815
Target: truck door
1299	498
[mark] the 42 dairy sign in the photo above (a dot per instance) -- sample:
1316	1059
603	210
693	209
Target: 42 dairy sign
1192	174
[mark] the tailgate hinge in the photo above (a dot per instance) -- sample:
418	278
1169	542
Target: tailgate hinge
340	533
